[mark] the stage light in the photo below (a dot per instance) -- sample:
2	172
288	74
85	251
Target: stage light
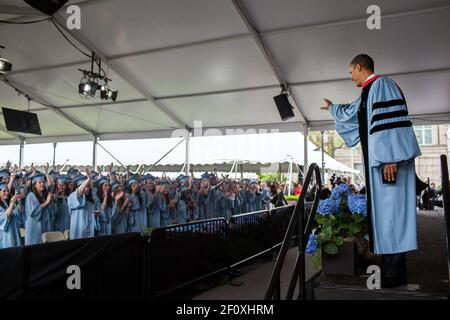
91	82
107	94
87	87
5	66
113	95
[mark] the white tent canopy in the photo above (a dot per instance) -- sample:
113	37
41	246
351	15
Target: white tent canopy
253	148
221	62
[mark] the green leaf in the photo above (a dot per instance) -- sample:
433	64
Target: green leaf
359	218
354	229
330	247
339	241
321	219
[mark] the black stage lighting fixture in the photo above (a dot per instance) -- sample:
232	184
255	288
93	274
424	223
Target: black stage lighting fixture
87	87
49	7
91	82
284	106
107	94
5	66
113	95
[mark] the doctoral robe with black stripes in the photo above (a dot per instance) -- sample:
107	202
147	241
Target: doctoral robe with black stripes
379	120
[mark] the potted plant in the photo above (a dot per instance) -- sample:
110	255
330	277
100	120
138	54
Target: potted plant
341	224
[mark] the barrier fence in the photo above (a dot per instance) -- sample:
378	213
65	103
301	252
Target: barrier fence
165	264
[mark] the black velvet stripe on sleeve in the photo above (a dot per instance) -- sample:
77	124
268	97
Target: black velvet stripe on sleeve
391	125
387	104
389	115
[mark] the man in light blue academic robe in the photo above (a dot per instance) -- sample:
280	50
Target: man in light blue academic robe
379	120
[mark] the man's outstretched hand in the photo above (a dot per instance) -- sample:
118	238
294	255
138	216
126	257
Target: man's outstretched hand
326	104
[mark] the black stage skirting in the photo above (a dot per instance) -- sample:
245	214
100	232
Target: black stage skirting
135	266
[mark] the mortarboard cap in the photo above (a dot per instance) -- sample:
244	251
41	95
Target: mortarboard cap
115	185
101	180
132	179
37	177
4	173
79	179
61	179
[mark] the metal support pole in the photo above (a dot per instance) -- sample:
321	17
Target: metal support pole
322	147
54	156
21	150
94	153
305	155
353	165
187	163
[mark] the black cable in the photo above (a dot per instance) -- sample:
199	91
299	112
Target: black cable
76	47
23	22
68	40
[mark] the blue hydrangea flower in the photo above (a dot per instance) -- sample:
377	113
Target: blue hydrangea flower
341	189
311	247
357	204
328	206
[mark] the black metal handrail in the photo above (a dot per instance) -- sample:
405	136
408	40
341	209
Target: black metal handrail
230	264
446	203
297	219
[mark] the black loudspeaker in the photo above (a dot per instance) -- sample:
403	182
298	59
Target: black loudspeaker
21	121
284	107
49	7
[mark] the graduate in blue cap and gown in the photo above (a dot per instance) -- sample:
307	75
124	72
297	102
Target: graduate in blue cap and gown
82	206
251	193
184	198
39	211
204	199
119	220
173	214
62	216
137	220
237	199
149	191
160	203
265	197
104	201
222	202
11	215
245	196
258	201
154	216
379	120
182	204
195	195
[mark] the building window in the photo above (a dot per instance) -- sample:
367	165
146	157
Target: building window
424	134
